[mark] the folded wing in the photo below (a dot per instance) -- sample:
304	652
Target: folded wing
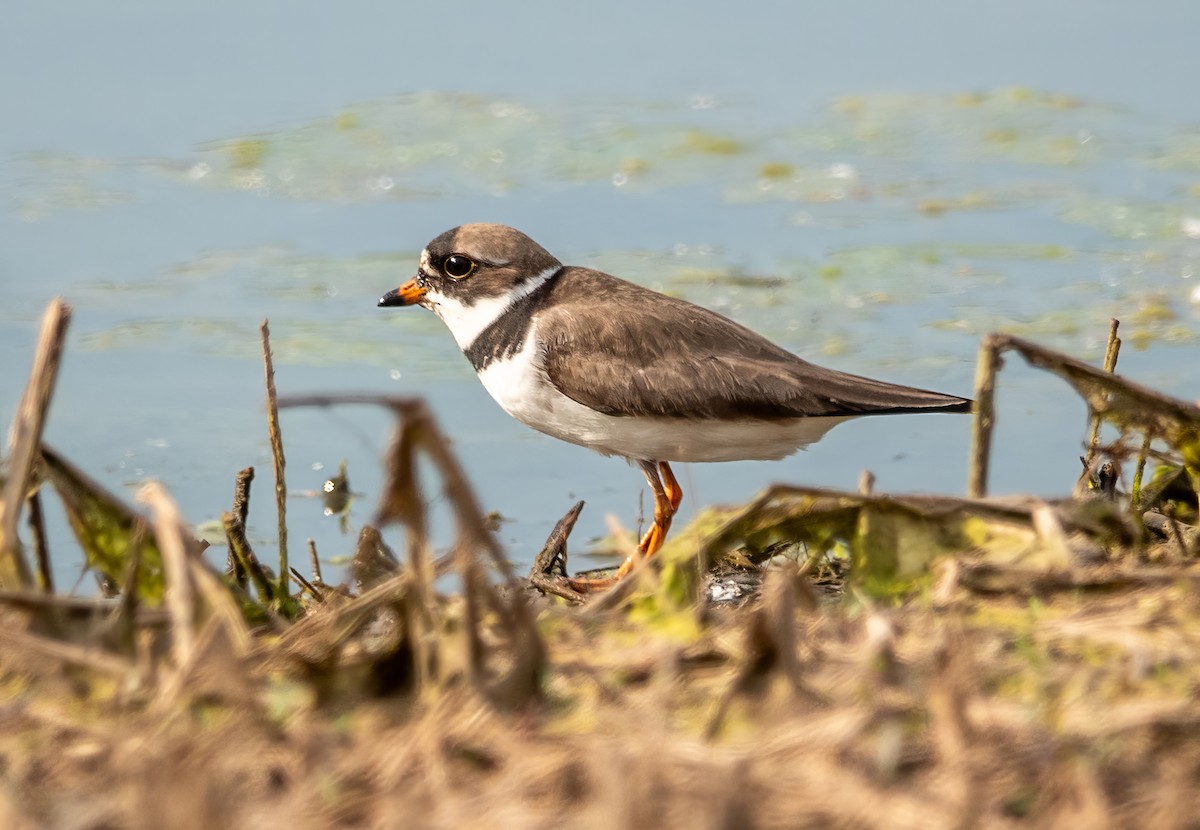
687	361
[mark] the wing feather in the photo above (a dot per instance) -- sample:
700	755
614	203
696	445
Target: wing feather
662	356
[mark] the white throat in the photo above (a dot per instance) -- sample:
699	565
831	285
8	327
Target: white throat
467	322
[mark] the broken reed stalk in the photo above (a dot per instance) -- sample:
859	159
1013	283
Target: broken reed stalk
316	563
247	562
179	597
277	455
1111	351
985	416
240	510
866	482
125	620
41	553
403	501
549	570
241	493
24	438
529	651
308	586
418	424
1139	471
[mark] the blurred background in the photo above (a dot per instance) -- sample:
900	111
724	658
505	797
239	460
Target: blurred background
873	185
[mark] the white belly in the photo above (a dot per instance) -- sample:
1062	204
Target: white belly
521	387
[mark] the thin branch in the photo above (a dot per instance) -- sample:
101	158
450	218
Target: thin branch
243	555
316	563
308	586
25	436
41	552
180	592
240	510
277	455
1111	351
985	416
1138	472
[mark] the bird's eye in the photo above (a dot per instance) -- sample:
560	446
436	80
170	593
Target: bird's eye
458	266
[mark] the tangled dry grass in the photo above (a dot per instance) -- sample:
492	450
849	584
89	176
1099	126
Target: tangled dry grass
1052	686
1078	709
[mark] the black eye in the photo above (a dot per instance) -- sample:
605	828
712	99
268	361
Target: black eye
458	266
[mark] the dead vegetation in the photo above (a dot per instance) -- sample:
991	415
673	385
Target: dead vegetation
885	661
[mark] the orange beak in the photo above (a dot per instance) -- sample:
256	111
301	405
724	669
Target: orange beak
408	294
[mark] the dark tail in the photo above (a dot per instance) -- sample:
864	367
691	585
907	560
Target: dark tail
854	395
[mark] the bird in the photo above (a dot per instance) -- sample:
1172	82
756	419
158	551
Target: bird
616	367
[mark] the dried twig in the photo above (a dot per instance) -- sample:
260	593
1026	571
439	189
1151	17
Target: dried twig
23	439
1111	351
241	553
180	593
985	416
41	553
549	573
240	510
126	619
1138	472
315	561
308	586
277	455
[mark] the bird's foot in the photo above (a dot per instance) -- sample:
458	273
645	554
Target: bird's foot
593	585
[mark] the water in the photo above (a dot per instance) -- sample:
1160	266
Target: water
872	185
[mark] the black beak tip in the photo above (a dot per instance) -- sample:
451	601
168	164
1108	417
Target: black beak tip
392	298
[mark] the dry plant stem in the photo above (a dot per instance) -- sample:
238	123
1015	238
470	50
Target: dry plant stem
866	482
1166	417
41	554
419	432
24	437
553	556
315	561
126	621
985	416
243	555
473	536
240	510
403	501
1131	406
241	493
308	586
1111	351
1138	472
180	594
472	576
459	492
277	455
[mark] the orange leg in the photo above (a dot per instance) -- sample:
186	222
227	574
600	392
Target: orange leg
667	496
671	486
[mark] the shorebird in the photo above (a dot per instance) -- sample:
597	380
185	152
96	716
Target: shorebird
610	365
